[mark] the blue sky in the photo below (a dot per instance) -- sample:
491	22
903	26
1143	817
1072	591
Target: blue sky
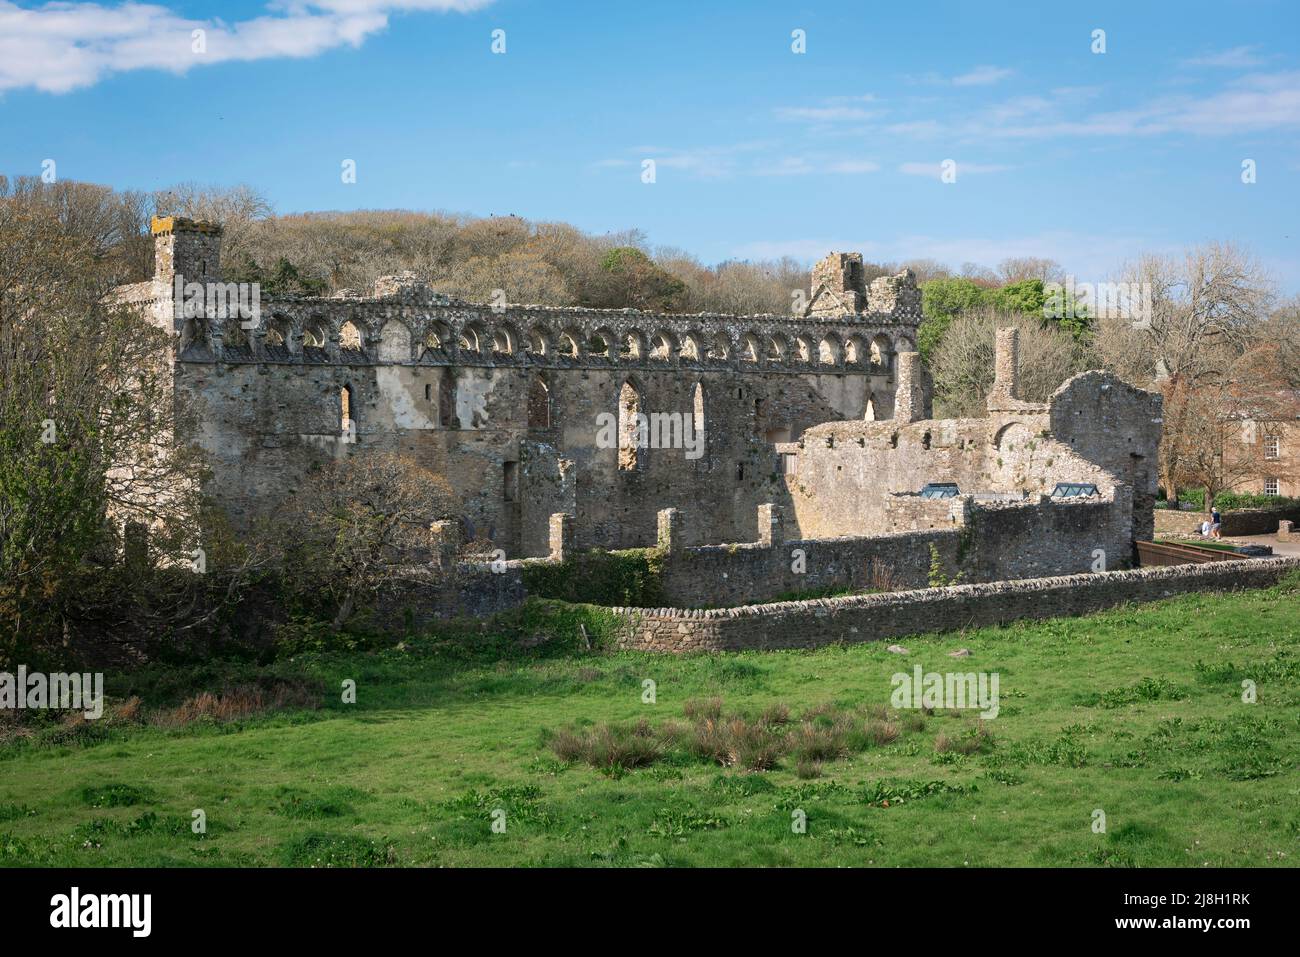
1087	158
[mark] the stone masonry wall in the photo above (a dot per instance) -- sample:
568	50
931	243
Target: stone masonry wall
811	624
504	400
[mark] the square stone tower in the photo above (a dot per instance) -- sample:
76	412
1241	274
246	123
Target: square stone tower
188	248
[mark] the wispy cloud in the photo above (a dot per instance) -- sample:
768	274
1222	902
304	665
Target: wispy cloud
1237	58
759	158
982	76
63	46
962	168
826	114
833	109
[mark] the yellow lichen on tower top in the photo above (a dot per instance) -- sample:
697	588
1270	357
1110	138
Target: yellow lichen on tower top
160	225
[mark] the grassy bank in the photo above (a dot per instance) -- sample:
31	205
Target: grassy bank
1137	713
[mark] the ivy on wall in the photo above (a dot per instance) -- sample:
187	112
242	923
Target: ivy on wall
631	578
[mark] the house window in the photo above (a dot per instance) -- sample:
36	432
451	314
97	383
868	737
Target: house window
740	471
428	392
1272	446
1270	486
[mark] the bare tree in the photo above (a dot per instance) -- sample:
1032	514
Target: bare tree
962	365
1210	300
88	418
1213	423
357	525
1020	268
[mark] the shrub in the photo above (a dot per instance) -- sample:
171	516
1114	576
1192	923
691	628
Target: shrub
976	739
610	746
881	733
241	701
703	708
1232	500
806	770
817	742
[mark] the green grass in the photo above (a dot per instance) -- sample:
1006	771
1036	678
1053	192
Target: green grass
1137	712
1199	543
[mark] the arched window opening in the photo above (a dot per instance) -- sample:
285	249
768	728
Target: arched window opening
539	404
871	409
447	400
350	337
881	350
348	413
828	352
852	351
631	435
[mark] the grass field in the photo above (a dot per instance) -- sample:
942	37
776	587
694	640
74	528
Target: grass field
1137	713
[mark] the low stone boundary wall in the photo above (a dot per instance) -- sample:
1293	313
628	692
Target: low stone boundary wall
854	618
1238	521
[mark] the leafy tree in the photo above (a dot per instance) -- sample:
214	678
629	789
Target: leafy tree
941	301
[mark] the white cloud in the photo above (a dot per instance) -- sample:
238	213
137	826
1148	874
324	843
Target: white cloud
963	169
982	76
754	158
1237	58
825	114
64	46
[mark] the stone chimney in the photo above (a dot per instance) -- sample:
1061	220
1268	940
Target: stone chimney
912	392
1006	367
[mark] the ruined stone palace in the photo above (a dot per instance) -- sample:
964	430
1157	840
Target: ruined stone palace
820	422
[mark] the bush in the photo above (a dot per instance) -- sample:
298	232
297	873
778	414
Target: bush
1232	500
629	579
610	746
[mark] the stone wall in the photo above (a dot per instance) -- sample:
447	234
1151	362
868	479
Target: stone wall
856	618
1238	521
506	401
980	541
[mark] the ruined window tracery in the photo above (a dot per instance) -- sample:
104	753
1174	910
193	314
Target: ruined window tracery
630	433
539	404
447	399
348	413
350	336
